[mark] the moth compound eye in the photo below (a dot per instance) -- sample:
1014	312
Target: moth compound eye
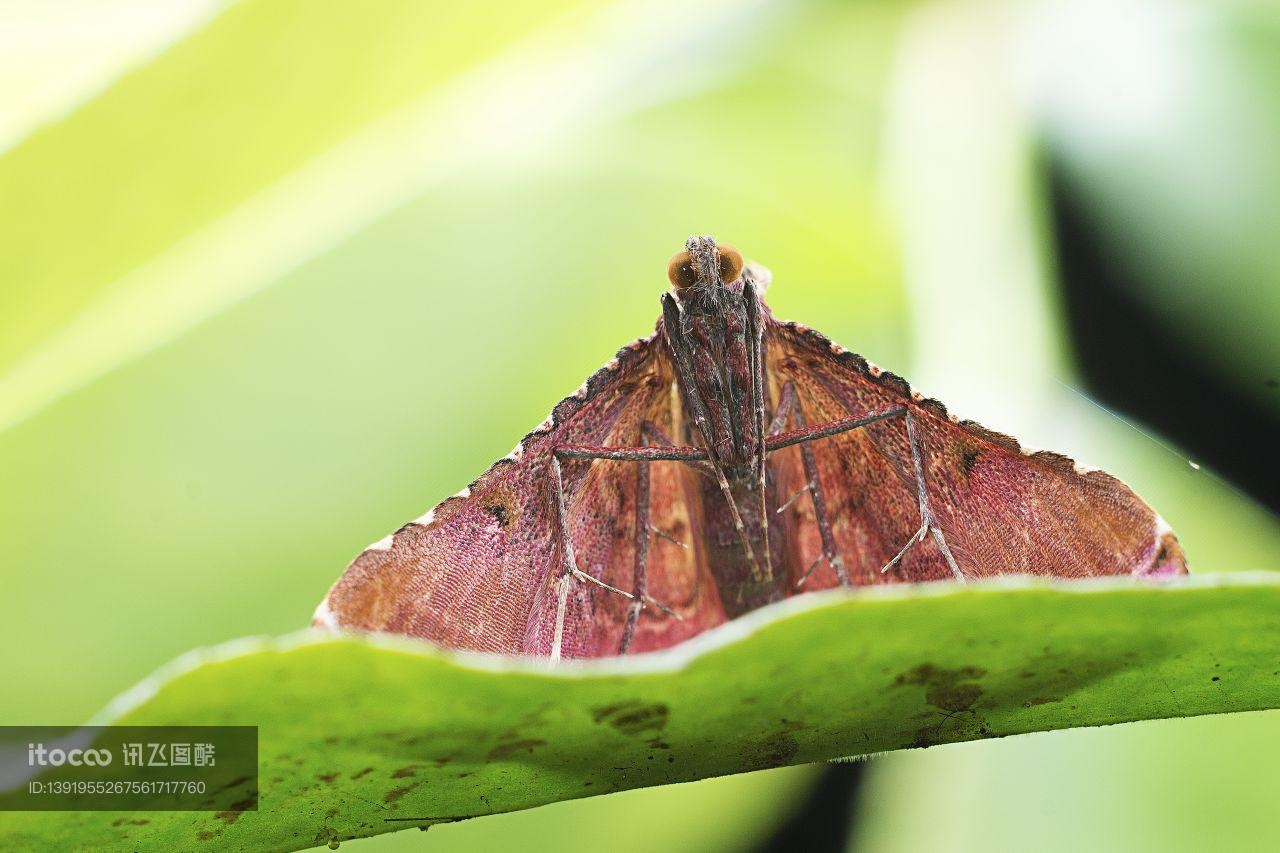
730	263
680	271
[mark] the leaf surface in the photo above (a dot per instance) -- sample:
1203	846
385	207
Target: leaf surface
365	736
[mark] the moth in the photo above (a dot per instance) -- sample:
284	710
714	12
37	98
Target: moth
727	461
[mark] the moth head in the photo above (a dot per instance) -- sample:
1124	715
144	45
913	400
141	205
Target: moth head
704	264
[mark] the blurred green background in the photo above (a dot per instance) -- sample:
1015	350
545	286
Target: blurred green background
276	277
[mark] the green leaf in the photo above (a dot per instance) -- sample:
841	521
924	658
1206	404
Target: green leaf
365	736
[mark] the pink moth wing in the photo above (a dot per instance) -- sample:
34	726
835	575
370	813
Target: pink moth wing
480	570
1004	510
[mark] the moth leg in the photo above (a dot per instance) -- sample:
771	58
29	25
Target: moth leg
928	521
643	528
569	561
661	439
642	453
830	428
738	525
789	408
641	578
755	326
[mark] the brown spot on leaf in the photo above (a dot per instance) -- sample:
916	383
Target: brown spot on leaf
929	673
949	692
633	718
396	793
925	738
238	808
945	688
953	697
403	772
774	750
205	835
503	750
328	778
363	773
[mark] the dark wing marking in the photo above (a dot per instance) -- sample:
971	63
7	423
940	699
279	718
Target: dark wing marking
1003	510
479	571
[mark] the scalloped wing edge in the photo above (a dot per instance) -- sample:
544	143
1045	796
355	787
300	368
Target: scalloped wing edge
625	358
1059	463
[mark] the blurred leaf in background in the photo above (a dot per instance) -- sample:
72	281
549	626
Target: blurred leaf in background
286	274
1166	196
1165	119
